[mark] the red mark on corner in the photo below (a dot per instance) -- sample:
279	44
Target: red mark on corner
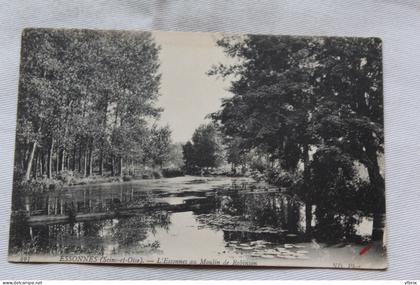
365	249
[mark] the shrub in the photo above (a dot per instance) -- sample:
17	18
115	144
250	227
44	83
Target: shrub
151	174
172	172
66	177
146	176
127	178
283	178
156	174
258	165
37	186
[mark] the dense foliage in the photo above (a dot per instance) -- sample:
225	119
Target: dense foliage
86	103
311	109
204	151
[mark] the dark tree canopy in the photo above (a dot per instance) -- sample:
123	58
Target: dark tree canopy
306	100
204	150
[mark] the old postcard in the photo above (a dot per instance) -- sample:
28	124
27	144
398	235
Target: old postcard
199	149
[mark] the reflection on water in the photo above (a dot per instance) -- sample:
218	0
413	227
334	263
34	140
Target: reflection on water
178	217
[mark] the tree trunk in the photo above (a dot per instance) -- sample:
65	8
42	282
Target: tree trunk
42	163
50	159
90	161
73	166
79	160
85	164
22	161
121	167
113	166
308	218
35	167
104	126
63	160
101	163
308	200
378	184
61	207
28	205
31	158
57	161
55	205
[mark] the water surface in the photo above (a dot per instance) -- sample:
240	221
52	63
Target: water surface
183	218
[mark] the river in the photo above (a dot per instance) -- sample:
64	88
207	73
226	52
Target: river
182	220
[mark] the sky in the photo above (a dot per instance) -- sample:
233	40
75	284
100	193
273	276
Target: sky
187	93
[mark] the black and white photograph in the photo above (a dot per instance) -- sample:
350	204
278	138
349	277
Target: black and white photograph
199	149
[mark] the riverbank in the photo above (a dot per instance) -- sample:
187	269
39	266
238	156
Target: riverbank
68	178
237	218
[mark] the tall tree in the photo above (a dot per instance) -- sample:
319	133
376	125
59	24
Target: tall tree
295	95
158	150
350	113
273	101
189	157
204	150
206	146
84	95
